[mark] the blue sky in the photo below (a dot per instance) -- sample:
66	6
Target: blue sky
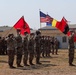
12	10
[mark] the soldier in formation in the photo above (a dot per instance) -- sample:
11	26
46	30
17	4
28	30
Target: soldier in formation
10	50
71	49
19	48
31	48
25	49
38	45
56	44
3	46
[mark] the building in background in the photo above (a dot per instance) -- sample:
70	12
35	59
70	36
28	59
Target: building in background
6	30
52	31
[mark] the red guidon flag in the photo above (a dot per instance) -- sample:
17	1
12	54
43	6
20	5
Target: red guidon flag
19	24
63	26
22	25
25	28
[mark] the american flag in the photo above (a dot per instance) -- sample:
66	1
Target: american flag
43	17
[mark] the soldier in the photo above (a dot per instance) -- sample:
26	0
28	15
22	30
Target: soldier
10	50
3	46
52	44
19	48
31	48
38	45
56	44
42	46
49	46
71	49
25	48
0	46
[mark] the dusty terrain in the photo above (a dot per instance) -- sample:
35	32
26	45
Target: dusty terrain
55	65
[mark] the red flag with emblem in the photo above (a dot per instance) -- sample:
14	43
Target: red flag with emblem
22	25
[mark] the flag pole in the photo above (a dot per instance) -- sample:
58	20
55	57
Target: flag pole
39	15
8	31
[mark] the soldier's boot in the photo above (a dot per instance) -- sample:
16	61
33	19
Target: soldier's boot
56	52
37	61
25	63
70	64
49	55
30	62
18	65
11	65
18	62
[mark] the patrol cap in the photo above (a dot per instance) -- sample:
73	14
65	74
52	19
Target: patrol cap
38	32
25	33
10	35
18	30
32	34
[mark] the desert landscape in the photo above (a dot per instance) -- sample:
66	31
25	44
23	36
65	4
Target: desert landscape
55	65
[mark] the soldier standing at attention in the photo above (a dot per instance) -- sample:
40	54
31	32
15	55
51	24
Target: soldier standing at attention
52	44
10	50
31	48
0	46
25	48
56	44
19	48
71	49
38	45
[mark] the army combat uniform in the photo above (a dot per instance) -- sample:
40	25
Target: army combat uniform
56	44
19	50
10	51
38	45
25	48
31	48
71	50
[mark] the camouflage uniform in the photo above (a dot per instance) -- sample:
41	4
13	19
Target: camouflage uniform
10	50
56	44
49	46
38	45
0	46
46	46
19	50
31	47
42	46
4	46
71	50
25	48
52	44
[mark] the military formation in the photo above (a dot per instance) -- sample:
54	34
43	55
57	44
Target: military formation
32	46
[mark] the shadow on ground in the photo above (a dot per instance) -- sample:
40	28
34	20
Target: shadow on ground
36	66
2	61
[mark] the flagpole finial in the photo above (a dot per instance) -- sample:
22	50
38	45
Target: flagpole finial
23	16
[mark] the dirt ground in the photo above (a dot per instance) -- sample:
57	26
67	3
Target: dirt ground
55	65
